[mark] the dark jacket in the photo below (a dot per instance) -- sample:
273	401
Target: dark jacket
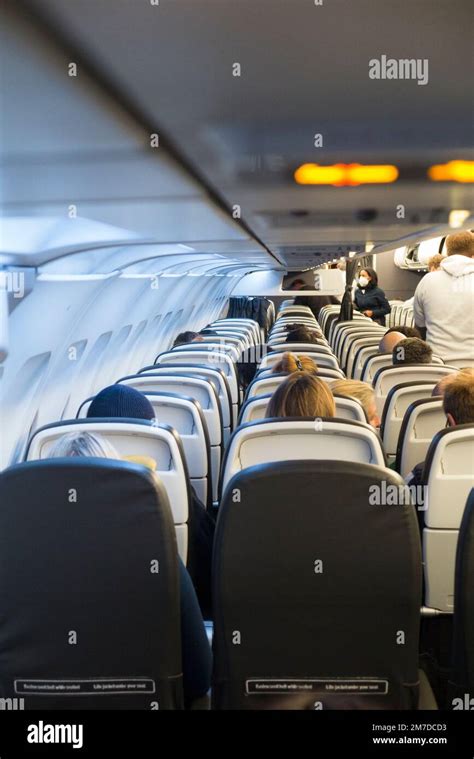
195	650
201	528
372	299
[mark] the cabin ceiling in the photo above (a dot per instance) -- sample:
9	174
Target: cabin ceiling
304	71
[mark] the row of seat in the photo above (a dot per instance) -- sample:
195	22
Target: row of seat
275	469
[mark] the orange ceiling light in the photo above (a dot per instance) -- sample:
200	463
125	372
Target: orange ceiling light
345	174
453	171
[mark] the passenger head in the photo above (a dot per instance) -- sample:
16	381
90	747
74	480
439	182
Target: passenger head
367	278
440	387
407	331
79	444
411	350
302	335
435	262
458	401
460	244
121	401
187	337
290	363
389	341
302	394
362	392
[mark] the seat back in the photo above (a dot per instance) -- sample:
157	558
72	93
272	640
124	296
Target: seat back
356	344
322	358
399	398
213	358
293	439
185	415
346	408
380	360
212	374
194	386
422	420
389	376
269	384
332	544
213	344
449	478
89	584
361	356
349	338
132	437
323	372
462	675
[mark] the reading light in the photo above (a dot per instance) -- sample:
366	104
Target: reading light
453	171
343	174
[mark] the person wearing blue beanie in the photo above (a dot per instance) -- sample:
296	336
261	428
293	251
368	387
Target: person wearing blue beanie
127	403
121	401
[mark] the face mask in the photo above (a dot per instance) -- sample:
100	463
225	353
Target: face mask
363	281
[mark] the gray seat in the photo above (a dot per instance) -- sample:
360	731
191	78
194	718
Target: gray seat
132	437
449	477
298	439
422	420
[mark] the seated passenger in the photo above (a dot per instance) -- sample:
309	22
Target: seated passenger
195	651
125	402
187	337
362	392
458	405
411	350
290	363
390	340
248	363
302	335
301	394
407	331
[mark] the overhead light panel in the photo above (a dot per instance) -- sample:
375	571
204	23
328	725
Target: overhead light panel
457	218
453	171
345	174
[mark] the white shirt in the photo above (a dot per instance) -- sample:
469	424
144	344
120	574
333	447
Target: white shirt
444	304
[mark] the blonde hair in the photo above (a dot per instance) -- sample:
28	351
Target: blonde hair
461	244
361	391
290	363
78	444
302	394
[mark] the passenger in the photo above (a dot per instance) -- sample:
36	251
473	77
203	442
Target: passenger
125	402
406	331
248	363
434	263
187	337
458	405
440	387
411	350
362	392
390	340
79	444
369	298
303	335
302	394
443	304
290	363
195	651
